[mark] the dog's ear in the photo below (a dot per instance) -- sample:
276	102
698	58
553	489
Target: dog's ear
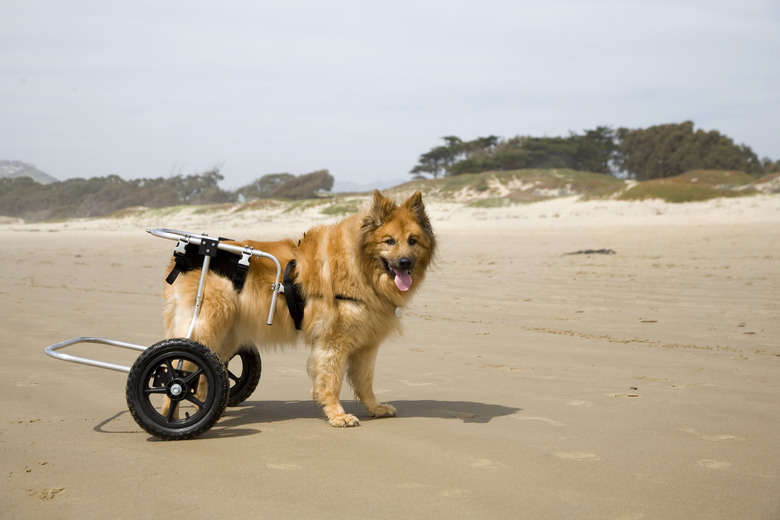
381	209
416	206
415	203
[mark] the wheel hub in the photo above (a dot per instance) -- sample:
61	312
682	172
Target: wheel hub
177	389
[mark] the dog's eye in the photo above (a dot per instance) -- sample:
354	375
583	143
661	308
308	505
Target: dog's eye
390	241
412	241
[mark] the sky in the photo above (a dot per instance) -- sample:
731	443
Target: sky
157	88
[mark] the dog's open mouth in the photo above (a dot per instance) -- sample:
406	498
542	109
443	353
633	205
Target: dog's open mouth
401	276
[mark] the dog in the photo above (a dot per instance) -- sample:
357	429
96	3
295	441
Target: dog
352	275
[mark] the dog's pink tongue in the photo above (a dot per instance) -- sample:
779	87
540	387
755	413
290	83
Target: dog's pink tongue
403	280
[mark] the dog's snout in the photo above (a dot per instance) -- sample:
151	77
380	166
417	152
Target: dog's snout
405	263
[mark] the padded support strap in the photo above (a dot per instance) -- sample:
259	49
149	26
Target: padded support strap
292	295
230	265
242	268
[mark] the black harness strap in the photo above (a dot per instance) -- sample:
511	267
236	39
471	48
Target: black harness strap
293	296
230	265
242	268
183	263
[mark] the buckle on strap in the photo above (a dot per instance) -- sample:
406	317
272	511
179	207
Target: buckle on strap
181	262
242	268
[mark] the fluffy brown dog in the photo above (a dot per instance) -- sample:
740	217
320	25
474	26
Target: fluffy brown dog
353	276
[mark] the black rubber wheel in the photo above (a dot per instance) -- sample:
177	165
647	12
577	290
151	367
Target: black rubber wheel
244	370
171	372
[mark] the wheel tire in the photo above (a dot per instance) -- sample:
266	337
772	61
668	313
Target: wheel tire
157	375
242	386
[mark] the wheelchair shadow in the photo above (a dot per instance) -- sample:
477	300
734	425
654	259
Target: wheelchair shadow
119	424
235	420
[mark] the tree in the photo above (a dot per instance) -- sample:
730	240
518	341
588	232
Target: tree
101	196
263	187
667	150
481	144
547	152
432	162
439	159
594	150
769	166
203	188
454	144
306	186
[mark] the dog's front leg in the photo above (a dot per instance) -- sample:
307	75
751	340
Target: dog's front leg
326	367
361	377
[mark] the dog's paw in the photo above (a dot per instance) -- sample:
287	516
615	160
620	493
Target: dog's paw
382	410
343	420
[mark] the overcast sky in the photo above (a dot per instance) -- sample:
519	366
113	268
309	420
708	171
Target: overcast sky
362	88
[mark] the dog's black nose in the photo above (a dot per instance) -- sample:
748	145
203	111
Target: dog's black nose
405	263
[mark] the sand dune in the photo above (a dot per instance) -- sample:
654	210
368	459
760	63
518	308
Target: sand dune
530	383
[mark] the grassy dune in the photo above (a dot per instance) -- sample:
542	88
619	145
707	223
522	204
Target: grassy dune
525	186
502	189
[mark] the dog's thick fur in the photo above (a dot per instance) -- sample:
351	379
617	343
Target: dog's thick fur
353	275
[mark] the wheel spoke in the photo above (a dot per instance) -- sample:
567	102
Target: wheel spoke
194	400
193	377
233	377
171	411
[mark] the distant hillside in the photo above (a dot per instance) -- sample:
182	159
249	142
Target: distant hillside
356	187
12	169
497	189
101	197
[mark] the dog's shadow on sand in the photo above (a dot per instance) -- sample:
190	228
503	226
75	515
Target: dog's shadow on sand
237	421
466	411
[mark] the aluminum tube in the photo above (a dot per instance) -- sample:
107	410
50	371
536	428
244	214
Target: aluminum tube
52	351
199	297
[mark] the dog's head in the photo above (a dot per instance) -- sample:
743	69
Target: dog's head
397	242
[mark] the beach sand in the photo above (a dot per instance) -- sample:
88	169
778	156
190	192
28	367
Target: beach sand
530	383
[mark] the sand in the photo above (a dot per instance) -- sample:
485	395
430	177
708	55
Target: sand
530	383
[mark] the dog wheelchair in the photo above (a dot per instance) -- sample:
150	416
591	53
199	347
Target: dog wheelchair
178	388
